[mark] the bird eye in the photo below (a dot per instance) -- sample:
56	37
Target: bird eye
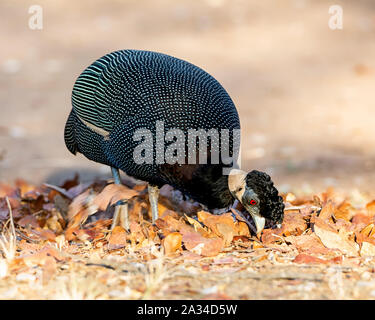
253	202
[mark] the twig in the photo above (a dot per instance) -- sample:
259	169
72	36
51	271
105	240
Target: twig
302	207
100	265
58	189
11	218
25	237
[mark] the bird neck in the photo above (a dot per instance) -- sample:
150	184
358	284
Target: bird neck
215	184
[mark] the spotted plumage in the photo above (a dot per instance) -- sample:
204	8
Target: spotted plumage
129	90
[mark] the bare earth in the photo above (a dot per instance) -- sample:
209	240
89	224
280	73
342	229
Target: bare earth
305	98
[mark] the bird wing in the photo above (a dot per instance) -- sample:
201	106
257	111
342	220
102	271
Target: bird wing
91	98
69	134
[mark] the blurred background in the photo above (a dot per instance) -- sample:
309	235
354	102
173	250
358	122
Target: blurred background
304	92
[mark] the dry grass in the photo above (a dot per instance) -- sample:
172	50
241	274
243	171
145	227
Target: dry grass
8	243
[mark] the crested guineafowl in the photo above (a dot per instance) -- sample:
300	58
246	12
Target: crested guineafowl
125	102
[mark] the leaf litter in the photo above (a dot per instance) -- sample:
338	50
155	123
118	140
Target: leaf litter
63	240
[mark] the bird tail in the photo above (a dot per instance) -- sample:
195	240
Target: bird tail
70	135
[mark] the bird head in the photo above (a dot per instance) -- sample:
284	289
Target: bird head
257	194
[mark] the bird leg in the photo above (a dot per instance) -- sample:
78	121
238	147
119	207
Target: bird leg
153	195
121	215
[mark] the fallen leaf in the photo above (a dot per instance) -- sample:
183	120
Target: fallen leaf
82	204
136	233
113	193
198	226
257	245
270	236
170	221
344	211
44	234
233	228
53	223
328	195
172	242
293	224
308	243
241	238
6	190
361	220
117	238
308	259
327	211
369	230
24	187
68	184
198	244
226	232
334	240
28	220
305	258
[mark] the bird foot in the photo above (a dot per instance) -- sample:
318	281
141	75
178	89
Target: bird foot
121	215
153	193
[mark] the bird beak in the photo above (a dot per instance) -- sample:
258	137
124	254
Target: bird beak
259	222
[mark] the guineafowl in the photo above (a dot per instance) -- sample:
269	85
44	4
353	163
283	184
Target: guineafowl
125	102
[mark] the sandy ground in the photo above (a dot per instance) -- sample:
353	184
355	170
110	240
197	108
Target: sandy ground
304	92
116	276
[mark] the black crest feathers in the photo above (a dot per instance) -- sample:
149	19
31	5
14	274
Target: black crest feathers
271	204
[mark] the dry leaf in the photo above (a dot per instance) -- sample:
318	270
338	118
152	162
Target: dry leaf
44	234
54	225
361	220
24	187
117	238
196	243
327	211
233	228
293	224
328	195
28	220
257	245
136	233
113	193
82	204
226	232
308	243
334	240
171	222
369	230
172	242
198	227
270	236
307	259
344	211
